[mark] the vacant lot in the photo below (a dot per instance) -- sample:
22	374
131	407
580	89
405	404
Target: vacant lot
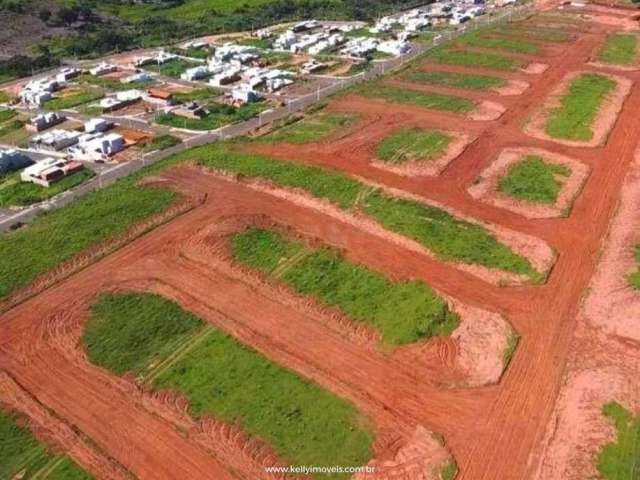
473	59
618	459
219	115
457	80
16	193
312	129
73	99
403	312
161	142
533	180
414	144
579	107
511	45
534	33
222	378
173	68
448	237
435	101
23	456
620	49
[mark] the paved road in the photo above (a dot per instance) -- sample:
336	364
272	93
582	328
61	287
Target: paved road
110	175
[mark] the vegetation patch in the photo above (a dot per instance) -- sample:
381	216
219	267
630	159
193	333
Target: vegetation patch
457	80
73	100
107	83
537	33
510	350
512	45
161	142
23	456
6	115
449	470
618	460
222	378
219	115
16	193
434	101
173	68
196	95
474	59
58	235
579	107
312	128
633	279
620	49
448	237
534	180
413	144
403	312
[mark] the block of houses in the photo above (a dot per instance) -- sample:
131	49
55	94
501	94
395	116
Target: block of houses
12	160
160	96
50	170
97	147
230	75
103	69
119	100
97	125
43	121
67	74
394	47
54	140
195	73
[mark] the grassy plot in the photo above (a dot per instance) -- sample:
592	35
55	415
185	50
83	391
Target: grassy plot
107	83
227	380
16	193
6	115
448	237
73	100
579	107
620	49
403	312
534	180
434	101
56	236
633	279
196	95
219	116
534	33
173	68
161	142
311	129
473	59
23	456
511	45
413	144
457	80
618	460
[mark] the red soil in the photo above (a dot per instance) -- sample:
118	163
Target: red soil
495	432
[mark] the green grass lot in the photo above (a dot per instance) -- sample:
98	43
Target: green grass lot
197	95
15	193
161	142
511	45
448	237
191	52
633	279
413	144
173	68
618	460
449	470
222	378
534	180
620	49
73	100
435	101
219	115
189	10
6	115
58	235
23	456
474	59
579	107
263	43
4	97
534	33
403	312
10	126
107	83
457	80
311	129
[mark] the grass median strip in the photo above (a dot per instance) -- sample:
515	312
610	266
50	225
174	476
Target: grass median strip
311	129
457	80
413	144
474	59
534	180
620	49
305	424
618	460
449	238
435	101
403	312
579	107
23	456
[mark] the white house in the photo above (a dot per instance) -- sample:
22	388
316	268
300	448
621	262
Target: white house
43	121
50	170
54	140
195	73
67	73
97	147
138	77
97	125
11	160
394	47
244	95
102	69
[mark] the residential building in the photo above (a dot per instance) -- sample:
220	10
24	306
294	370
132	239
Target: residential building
43	121
190	110
138	77
97	125
67	74
195	73
97	147
50	170
12	160
103	69
54	140
243	96
159	96
394	47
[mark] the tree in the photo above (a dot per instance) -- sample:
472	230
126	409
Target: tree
44	14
